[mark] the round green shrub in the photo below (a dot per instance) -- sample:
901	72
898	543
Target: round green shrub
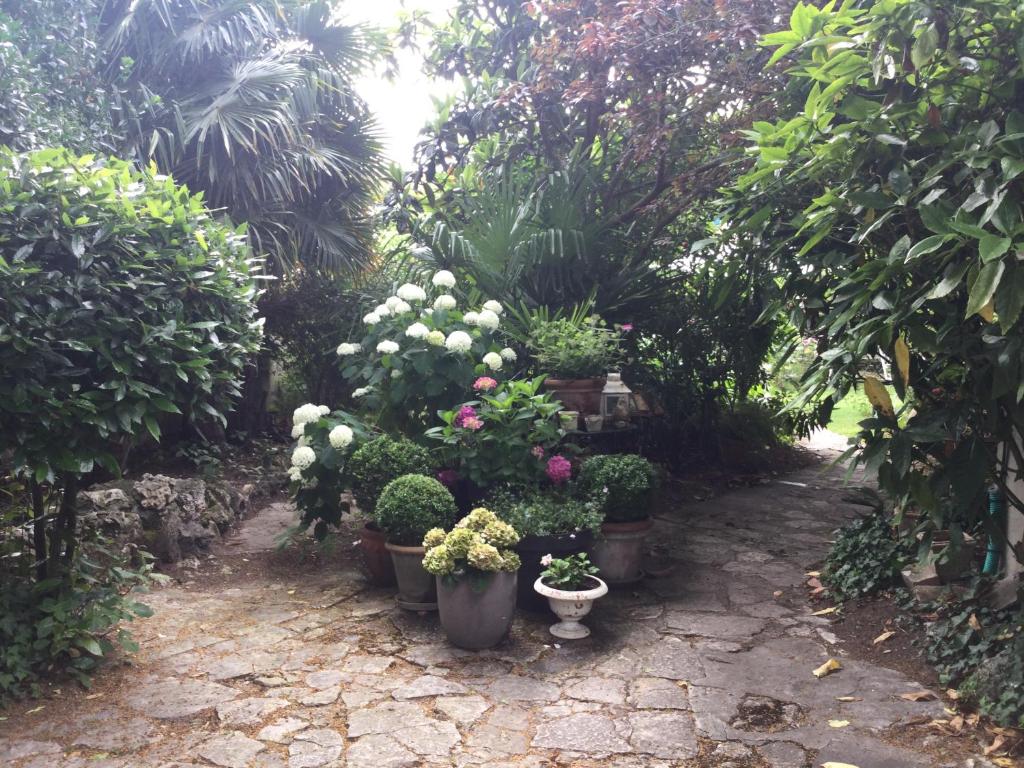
621	486
410	506
380	461
545	514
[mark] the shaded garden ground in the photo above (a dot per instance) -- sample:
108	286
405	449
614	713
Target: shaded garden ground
270	658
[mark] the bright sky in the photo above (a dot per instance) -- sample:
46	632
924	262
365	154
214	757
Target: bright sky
404	105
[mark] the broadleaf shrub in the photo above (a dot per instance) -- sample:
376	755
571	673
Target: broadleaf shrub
622	486
866	558
410	506
378	462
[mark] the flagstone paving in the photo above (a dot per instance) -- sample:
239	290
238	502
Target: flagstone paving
245	666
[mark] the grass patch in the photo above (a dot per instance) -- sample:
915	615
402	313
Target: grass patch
853	409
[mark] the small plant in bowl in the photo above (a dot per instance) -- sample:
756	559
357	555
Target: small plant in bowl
571	586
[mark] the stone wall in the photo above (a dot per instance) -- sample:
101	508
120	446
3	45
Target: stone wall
172	517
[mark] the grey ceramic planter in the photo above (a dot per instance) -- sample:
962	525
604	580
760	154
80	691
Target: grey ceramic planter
476	611
416	591
619	551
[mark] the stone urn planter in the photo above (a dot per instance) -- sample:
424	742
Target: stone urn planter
376	557
619	551
583	395
417	590
570	607
476	611
531	549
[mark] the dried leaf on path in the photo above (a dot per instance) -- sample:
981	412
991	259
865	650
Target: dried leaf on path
838	723
919	696
848	698
831	764
883	637
827	668
826	611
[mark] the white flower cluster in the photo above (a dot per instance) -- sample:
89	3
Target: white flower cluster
361	392
436	338
508	355
303	457
410	292
493	361
304	414
387	347
417	331
340	437
346	348
443	279
459	342
445	301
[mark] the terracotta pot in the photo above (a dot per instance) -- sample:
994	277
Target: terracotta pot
619	551
476	611
583	395
376	557
570	607
416	588
531	549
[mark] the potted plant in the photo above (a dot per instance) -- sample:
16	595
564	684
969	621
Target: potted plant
571	586
575	354
622	487
370	469
408	507
549	523
475	570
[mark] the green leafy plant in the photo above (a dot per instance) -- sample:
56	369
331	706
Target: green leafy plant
123	303
866	558
69	623
479	543
886	203
412	505
564	349
545	514
569	574
378	462
622	486
503	437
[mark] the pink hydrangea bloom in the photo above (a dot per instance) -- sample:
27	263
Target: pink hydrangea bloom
627	327
448	477
465	412
538	451
559	469
472	423
485	384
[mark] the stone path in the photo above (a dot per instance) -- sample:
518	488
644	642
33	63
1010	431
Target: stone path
710	665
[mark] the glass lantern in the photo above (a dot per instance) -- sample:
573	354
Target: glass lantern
617	404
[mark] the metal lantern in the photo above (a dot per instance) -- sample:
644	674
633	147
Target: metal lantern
617	402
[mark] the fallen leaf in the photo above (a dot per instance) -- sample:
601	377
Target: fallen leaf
952	693
827	668
777	593
974	623
919	696
818	591
995	746
882	637
957	723
848	698
95	696
826	611
813	574
831	764
40	708
838	723
814	582
1005	762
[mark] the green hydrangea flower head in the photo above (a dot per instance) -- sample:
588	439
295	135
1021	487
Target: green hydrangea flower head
484	557
460	540
434	538
500	534
510	561
478	519
439	561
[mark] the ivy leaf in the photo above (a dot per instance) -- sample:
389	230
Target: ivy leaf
984	287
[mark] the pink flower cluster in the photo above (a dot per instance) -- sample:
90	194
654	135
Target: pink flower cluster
466	418
448	478
559	470
538	451
484	384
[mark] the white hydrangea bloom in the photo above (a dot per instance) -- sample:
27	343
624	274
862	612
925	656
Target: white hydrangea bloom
324	410
303	440
361	392
294	474
443	279
347	348
303	457
417	331
471	318
435	338
410	292
508	355
391	302
402	307
459	341
445	301
488	319
387	347
371	319
305	414
383	310
493	361
298	430
341	436
494	306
